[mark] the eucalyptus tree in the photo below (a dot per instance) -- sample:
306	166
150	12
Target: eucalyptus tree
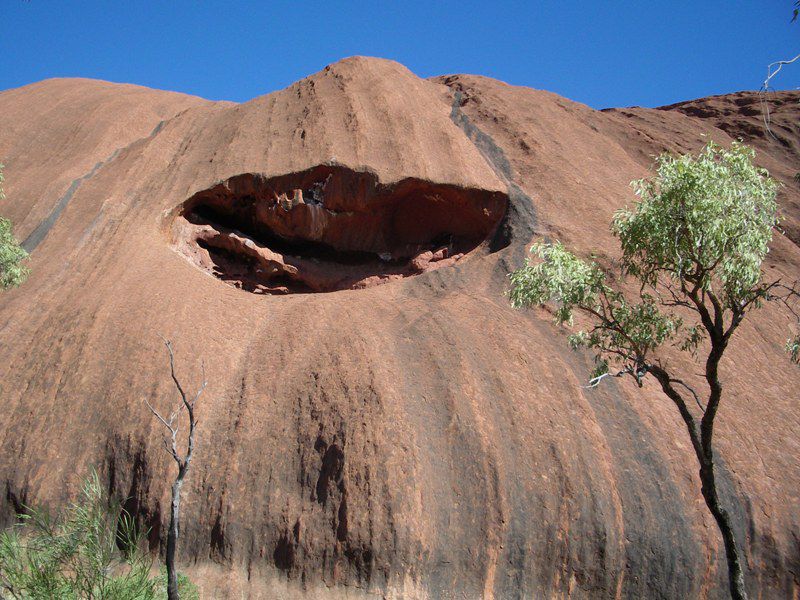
692	249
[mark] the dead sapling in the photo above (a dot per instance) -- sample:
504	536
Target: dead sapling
183	461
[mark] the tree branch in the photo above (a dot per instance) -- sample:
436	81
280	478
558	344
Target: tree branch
167	424
665	380
691	391
177	383
595	381
184	461
171	439
777	65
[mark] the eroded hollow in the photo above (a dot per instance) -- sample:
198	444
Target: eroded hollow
330	228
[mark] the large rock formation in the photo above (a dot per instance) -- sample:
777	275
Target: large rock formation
378	421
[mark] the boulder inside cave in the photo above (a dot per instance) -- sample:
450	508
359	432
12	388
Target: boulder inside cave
331	228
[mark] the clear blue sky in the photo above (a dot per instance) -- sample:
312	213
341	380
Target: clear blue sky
603	53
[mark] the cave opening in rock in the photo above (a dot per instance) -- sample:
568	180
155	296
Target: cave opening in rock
331	228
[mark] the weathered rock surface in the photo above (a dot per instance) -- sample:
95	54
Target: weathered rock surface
414	439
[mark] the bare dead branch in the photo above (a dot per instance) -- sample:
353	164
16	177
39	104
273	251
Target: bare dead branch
772	70
175	380
595	381
171	446
202	385
167	424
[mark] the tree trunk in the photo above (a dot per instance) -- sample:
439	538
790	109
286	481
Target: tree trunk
701	442
735	572
172	539
707	476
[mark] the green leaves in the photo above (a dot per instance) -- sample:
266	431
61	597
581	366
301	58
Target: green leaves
693	245
561	276
623	332
91	551
12	272
793	348
706	221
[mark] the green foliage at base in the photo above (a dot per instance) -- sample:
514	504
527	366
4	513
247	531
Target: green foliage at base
93	550
90	551
186	589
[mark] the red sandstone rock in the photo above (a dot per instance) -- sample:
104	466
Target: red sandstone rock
408	435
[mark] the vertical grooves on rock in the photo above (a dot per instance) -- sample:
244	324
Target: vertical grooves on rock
445	476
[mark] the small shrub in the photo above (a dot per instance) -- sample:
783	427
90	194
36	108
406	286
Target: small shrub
12	271
186	589
91	551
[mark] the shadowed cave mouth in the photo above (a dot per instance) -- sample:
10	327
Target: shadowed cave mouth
331	228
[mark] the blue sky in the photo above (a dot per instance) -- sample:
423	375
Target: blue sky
602	53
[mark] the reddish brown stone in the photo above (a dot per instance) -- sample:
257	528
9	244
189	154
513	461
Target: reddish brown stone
414	439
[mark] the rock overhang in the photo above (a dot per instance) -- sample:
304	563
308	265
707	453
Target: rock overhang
330	228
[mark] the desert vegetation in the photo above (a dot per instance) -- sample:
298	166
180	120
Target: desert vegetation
94	548
91	550
692	249
12	270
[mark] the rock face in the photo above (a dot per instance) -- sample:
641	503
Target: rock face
413	439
